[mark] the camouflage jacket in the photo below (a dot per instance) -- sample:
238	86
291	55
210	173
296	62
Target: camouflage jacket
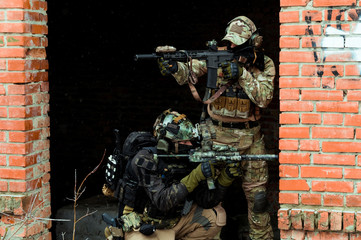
257	85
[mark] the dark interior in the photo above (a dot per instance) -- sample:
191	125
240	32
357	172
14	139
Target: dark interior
96	86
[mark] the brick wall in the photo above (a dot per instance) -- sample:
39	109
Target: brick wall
24	120
320	134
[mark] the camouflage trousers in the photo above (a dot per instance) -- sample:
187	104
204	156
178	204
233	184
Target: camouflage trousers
198	224
254	177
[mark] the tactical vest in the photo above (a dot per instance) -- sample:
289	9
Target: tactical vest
234	102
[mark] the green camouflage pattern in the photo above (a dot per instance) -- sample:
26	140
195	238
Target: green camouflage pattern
130	221
239	30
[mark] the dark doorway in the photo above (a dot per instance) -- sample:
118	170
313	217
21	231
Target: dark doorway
95	85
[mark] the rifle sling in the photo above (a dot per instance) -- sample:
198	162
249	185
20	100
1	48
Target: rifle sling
212	98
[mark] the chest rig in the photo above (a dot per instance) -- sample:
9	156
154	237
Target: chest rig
233	102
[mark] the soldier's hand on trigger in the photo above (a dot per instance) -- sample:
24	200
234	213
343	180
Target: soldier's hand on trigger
167	67
230	172
231	70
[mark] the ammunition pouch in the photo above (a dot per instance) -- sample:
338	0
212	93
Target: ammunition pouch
234	102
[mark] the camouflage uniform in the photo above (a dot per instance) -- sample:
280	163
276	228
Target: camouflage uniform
239	106
164	201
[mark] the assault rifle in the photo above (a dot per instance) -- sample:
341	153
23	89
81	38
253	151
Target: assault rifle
213	57
220	153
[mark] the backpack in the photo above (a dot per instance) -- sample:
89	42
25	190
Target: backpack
116	163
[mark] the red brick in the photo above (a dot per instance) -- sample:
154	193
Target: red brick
289	42
349	221
334	15
288	198
354	83
24	161
311	42
358	133
335	221
24	112
333	3
294	158
288	69
311	199
15	4
309	145
288	171
352	173
337	159
299	56
332	119
296	30
15	148
289	16
296	106
299	82
293	185
289	94
283	219
352	70
341	147
296	219
353	120
289	118
332	186
3	186
12	77
353	95
345	56
328	83
353	201
291	3
323	221
322	70
294	132
358	222
345	107
332	132
16	125
288	144
15	100
311	118
322	95
320	172
309	220
312	16
333	200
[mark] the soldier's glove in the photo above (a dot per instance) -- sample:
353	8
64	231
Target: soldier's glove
231	71
107	191
130	221
167	67
111	232
200	173
127	210
229	173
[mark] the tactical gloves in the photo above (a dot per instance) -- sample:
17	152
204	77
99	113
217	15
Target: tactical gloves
229	173
231	70
201	172
167	67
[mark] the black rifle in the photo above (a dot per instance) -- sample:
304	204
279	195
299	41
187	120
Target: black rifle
213	57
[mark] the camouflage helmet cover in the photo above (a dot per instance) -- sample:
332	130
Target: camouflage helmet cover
239	30
174	126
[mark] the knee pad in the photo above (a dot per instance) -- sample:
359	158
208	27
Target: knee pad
260	202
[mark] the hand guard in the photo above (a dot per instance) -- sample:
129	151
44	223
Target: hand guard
130	221
231	70
167	67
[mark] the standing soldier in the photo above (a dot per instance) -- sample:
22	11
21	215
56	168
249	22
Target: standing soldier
244	86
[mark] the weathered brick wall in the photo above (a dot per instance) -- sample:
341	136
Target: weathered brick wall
24	120
320	135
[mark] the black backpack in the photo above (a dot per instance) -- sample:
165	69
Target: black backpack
116	162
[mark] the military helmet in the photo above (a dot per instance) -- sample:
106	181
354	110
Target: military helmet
174	126
239	30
